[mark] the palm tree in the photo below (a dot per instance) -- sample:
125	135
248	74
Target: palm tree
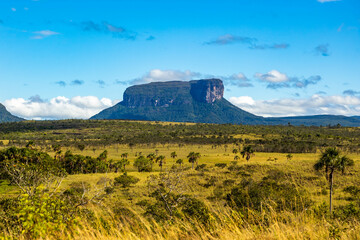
173	155
123	162
345	162
236	158
151	156
161	160
235	151
180	162
332	161
247	152
289	156
193	158
326	157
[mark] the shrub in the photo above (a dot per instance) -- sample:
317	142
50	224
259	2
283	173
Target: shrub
196	209
220	165
125	180
143	164
273	190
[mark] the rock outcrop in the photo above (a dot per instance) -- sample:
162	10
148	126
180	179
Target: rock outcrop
208	90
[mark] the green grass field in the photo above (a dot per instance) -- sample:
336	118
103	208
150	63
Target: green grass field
210	183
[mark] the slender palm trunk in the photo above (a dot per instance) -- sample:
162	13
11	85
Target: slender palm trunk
192	165
331	188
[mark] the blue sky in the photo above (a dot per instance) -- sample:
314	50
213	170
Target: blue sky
73	58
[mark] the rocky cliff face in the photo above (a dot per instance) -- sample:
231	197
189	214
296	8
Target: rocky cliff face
165	94
208	90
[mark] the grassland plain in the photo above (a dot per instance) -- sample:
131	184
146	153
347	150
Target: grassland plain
121	214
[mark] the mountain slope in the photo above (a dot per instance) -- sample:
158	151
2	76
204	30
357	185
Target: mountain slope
176	101
5	116
199	101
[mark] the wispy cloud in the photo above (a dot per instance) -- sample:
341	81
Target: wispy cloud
157	75
77	82
108	28
13	9
58	108
351	92
315	105
272	46
325	1
276	79
238	80
150	38
323	50
252	43
340	27
61	83
230	39
43	34
101	83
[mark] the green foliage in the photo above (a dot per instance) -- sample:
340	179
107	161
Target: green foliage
197	210
143	164
193	157
43	215
273	191
29	168
331	161
247	152
126	180
220	165
280	139
201	167
180	161
76	163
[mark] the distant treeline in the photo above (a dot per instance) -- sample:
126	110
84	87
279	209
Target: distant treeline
97	133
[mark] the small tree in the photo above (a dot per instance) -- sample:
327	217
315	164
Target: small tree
289	156
126	180
236	158
151	156
143	164
235	151
124	161
179	161
193	158
247	152
173	155
161	160
81	146
331	161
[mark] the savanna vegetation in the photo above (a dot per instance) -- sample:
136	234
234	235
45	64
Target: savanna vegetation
149	180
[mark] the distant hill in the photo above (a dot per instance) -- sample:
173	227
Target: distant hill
199	101
5	116
321	120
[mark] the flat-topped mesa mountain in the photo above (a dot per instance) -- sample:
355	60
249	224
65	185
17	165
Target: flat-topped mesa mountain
165	94
5	116
199	101
179	101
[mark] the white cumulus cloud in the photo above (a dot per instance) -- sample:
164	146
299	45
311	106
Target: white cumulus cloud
273	76
315	105
58	108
